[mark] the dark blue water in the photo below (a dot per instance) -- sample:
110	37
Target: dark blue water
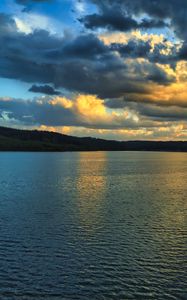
93	226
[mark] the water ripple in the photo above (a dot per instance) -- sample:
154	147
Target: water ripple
93	226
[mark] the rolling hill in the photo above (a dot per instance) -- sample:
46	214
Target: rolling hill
34	140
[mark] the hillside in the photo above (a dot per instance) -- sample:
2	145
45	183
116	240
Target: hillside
34	140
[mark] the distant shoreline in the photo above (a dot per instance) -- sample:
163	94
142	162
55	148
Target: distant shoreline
16	140
94	151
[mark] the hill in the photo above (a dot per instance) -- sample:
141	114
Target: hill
34	140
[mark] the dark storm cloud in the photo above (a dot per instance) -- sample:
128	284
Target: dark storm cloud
111	19
127	74
183	52
116	103
152	23
85	47
7	24
122	15
143	49
159	10
160	111
116	20
132	100
44	89
170	113
157	56
160	13
82	64
159	76
133	48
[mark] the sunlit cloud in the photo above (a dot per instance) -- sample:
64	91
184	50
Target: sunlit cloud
118	71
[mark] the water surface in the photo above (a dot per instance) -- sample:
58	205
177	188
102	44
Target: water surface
103	225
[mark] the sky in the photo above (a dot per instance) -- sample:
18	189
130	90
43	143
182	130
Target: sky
101	68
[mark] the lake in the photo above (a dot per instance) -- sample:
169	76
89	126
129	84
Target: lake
93	225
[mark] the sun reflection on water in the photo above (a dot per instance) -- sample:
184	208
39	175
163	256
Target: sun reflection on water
91	189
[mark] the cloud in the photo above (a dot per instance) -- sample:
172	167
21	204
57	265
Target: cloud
80	64
44	89
82	47
111	20
183	52
117	20
157	10
132	80
36	112
133	48
82	110
175	132
142	14
168	96
159	76
7	25
171	113
88	111
87	115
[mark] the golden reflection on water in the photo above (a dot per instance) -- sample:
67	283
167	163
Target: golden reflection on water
91	188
